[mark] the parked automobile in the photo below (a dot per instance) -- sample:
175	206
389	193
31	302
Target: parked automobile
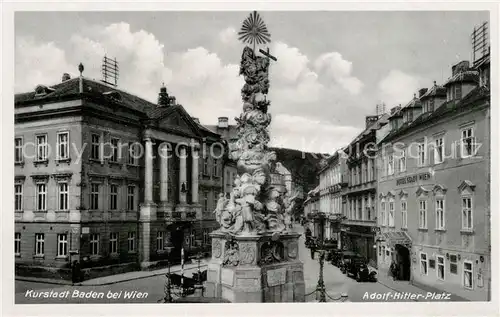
334	256
347	260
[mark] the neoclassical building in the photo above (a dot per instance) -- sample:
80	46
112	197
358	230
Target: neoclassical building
104	177
433	186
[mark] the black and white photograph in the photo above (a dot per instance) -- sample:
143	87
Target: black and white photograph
251	155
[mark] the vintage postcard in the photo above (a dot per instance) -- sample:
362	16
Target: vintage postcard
256	155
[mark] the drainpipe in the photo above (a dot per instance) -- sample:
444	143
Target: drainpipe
488	192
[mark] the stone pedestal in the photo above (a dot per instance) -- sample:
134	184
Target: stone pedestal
255	269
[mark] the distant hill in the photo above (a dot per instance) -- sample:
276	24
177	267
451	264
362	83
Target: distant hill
302	165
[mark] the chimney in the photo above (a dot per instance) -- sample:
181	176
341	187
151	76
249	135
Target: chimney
369	120
422	92
163	99
65	77
223	122
196	120
460	67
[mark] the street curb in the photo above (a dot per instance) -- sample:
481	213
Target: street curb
36	280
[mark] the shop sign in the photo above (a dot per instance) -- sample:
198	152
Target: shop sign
413	178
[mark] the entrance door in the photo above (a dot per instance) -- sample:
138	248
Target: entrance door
403	261
177	237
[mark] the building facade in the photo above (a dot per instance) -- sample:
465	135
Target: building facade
331	183
433	207
104	177
359	197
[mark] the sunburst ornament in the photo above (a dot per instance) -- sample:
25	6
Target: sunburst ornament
254	30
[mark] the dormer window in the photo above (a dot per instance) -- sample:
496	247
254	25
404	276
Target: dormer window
115	95
42	90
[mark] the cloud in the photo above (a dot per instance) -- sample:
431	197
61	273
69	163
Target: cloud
398	87
309	134
203	82
38	63
339	70
228	36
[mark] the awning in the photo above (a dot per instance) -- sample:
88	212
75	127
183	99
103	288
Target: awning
396	237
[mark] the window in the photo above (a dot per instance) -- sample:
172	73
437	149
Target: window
431	105
440	267
382	213
18	197
132	154
41	197
192	238
131	241
458	91
131	197
205	201
159	240
63	196
216	198
39	244
206	236
94	244
114	150
62	245
468	283
453	264
216	168
205	165
467	213
62	145
95	147
18	150
17	243
94	196
468	143
421	154
113	242
423	263
404	215
402	161
422	211
440	214
438	151
42	147
372	174
228	179
390	165
391	213
113	199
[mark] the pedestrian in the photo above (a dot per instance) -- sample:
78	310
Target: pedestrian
75	272
313	249
394	270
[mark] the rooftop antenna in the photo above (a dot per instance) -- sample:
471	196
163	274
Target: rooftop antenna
480	42
109	71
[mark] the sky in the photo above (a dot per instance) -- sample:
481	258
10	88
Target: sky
332	67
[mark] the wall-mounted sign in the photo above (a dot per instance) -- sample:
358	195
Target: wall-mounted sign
413	178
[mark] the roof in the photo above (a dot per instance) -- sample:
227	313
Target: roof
471	76
92	88
475	98
435	91
229	133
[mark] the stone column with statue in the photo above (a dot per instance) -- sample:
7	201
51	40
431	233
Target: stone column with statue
255	251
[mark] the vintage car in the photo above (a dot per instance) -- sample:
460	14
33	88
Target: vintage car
355	265
334	256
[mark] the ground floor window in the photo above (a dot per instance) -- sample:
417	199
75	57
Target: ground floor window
440	267
113	242
94	244
17	243
468	275
62	245
159	240
131	241
423	263
39	244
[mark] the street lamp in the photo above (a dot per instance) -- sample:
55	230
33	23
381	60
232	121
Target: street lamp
168	287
